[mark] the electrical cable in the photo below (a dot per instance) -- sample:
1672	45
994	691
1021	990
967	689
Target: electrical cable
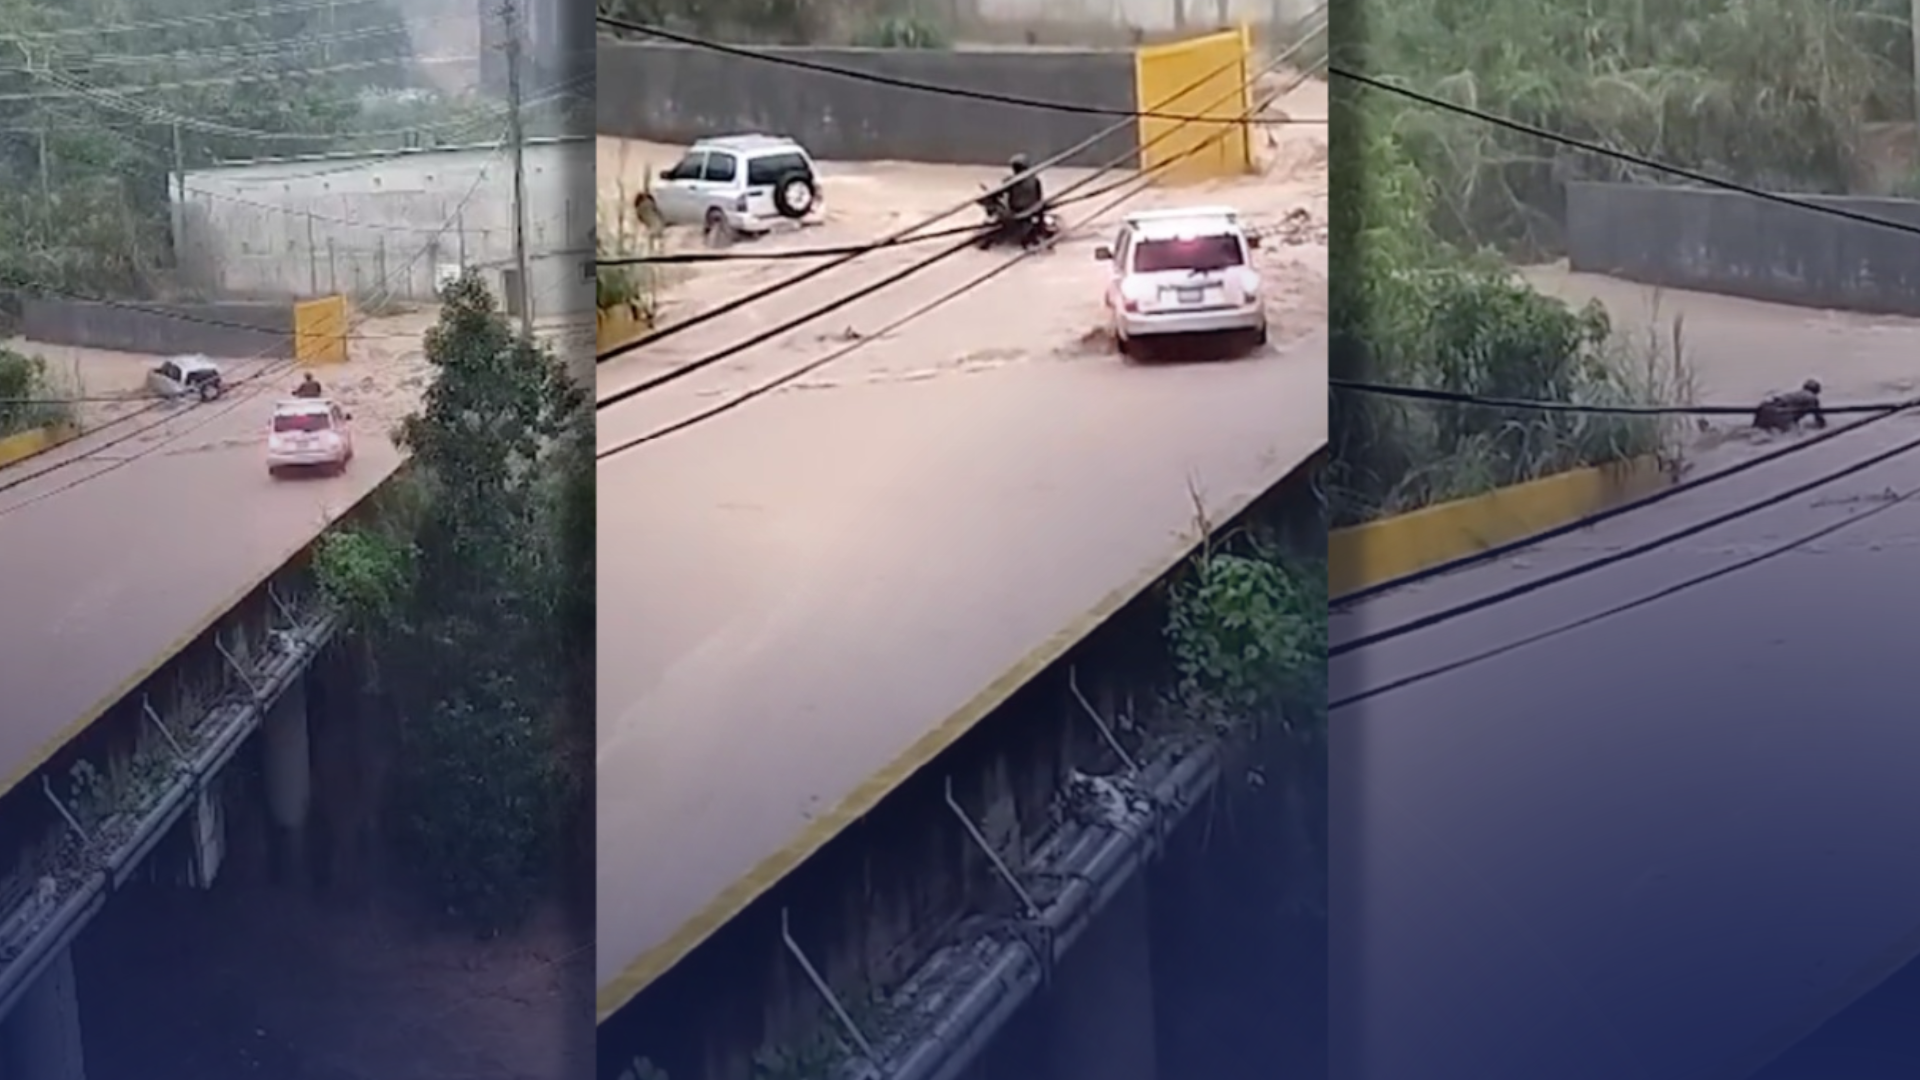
1481	603
1512	547
153	25
684	370
273	369
1572	143
683	258
1136	183
1453	397
1630	605
896	235
962	92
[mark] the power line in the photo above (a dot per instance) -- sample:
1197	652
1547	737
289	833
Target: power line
897	83
1481	603
1512	547
154	25
1620	155
250	51
899	234
685	258
1136	183
1638	602
1454	397
273	369
82	91
836	304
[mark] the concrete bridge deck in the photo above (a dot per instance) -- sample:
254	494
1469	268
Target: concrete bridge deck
153	541
805	599
1664	845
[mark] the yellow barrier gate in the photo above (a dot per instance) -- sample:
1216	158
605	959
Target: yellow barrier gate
320	330
1205	76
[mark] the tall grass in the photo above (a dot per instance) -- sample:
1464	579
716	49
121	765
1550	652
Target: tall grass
1776	93
1412	308
619	233
30	396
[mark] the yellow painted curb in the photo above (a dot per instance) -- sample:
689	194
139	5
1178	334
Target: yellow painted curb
45	752
23	445
616	326
655	962
1366	555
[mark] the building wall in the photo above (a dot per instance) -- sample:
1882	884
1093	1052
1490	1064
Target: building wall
1726	242
674	94
1148	16
379	227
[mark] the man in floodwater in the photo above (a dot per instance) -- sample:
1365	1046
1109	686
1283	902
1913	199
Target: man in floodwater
1783	412
1025	196
309	387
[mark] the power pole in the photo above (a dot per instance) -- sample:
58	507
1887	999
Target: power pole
1913	25
516	133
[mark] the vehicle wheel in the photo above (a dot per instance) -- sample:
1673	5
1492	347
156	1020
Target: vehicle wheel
1260	336
716	231
794	195
209	391
275	471
1124	344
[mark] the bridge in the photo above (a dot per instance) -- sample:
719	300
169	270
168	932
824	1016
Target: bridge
807	602
157	616
1672	842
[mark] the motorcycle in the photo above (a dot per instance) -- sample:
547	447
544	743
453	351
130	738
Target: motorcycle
1007	230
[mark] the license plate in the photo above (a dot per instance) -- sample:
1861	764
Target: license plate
1189	296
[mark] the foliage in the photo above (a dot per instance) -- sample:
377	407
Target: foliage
473	592
99	98
1776	93
903	32
888	24
1410	308
1248	633
29	397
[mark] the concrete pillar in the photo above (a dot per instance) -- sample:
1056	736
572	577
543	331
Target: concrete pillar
1101	1002
289	776
41	1036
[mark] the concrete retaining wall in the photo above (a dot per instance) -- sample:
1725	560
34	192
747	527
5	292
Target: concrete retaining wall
25	444
229	330
1367	555
1723	242
675	94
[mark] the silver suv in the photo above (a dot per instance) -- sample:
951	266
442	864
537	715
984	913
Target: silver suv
739	185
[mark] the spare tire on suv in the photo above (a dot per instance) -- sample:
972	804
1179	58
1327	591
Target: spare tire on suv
794	194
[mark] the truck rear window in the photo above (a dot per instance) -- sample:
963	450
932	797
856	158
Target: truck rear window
301	422
1204	253
767	170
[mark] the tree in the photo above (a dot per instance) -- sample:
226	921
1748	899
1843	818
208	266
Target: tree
475	592
99	97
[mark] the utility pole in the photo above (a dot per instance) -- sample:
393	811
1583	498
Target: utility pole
1913	26
516	133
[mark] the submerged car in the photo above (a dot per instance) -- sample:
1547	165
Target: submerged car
187	376
1180	272
309	433
739	185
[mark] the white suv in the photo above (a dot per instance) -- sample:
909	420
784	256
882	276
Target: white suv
738	186
309	433
1185	271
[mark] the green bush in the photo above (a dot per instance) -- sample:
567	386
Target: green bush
1410	308
1777	93
29	397
903	32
